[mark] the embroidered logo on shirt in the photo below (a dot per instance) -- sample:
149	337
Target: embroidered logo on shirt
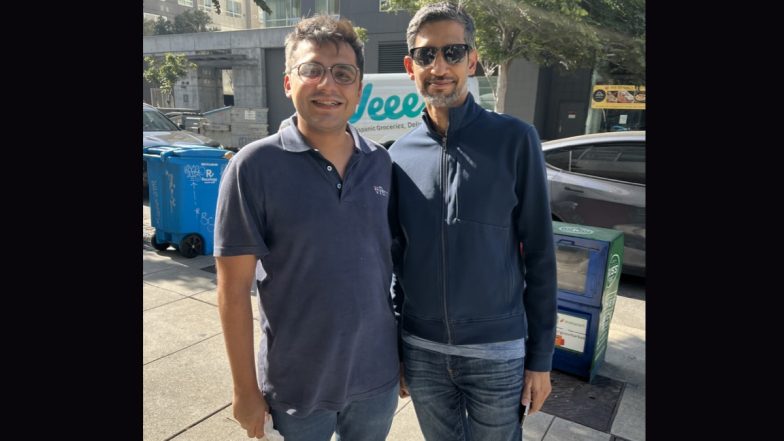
380	190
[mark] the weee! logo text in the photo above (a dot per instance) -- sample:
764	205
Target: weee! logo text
411	106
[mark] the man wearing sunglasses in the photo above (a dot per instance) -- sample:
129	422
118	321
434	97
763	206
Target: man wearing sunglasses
475	280
311	203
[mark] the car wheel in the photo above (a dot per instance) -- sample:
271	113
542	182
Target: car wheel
191	246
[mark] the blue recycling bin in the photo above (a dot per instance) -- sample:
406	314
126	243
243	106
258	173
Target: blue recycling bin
183	184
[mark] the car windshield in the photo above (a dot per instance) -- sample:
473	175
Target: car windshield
154	121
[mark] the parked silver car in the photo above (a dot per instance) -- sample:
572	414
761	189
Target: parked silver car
599	180
158	130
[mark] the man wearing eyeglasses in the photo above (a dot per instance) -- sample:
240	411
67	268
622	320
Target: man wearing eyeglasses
311	203
475	280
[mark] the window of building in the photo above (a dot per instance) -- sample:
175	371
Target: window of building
185	3
486	87
284	13
233	8
205	5
329	7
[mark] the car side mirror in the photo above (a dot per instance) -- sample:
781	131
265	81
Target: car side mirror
181	126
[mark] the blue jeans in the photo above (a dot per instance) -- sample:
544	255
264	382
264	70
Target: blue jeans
363	420
461	398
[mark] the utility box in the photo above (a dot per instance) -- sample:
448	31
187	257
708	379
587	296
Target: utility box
589	261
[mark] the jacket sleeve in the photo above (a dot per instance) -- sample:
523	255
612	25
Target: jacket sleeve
398	246
533	223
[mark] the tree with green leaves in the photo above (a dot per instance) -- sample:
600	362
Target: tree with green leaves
165	71
148	26
260	3
192	21
163	27
622	37
361	34
186	23
569	34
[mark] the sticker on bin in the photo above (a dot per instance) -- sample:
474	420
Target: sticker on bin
201	173
570	332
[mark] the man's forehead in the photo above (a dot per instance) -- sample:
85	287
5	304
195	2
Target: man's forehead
310	49
447	31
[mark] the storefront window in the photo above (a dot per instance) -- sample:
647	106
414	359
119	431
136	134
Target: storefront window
616	108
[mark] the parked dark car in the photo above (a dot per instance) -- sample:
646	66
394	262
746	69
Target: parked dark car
159	130
599	180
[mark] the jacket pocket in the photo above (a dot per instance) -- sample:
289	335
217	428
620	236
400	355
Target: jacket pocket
484	190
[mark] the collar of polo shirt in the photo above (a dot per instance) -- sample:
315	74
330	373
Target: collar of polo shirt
291	138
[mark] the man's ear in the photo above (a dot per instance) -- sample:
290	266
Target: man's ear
408	62
473	58
287	86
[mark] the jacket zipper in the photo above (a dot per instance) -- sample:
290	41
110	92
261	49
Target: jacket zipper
444	165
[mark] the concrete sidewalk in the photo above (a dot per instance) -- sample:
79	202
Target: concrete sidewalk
187	380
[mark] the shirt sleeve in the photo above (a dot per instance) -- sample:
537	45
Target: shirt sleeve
240	217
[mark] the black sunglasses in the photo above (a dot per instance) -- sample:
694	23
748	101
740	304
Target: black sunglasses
313	72
425	55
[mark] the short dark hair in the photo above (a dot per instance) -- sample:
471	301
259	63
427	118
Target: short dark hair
438	12
320	29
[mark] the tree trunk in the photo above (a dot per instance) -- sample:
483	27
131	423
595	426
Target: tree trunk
500	102
170	99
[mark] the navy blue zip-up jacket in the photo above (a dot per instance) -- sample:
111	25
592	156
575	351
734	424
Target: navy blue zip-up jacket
461	206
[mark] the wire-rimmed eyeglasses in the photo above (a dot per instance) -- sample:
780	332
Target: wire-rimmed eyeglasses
313	72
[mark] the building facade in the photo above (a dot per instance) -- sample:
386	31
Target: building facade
235	15
557	104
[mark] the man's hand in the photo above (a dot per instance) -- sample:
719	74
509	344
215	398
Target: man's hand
251	412
403	387
536	389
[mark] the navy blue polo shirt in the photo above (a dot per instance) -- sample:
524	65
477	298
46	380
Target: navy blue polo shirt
329	329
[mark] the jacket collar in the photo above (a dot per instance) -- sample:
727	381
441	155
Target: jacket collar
291	138
459	117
